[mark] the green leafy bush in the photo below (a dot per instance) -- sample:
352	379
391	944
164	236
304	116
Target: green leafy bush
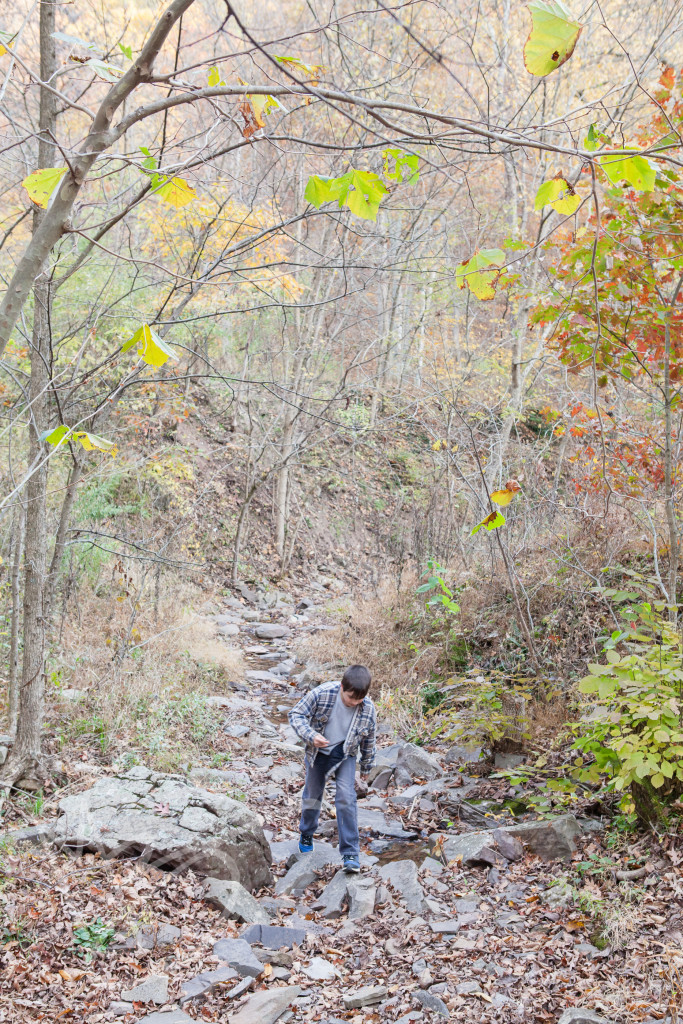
633	733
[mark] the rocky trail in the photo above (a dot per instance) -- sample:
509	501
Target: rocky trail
126	905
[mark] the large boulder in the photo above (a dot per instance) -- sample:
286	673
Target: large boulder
418	762
168	822
552	839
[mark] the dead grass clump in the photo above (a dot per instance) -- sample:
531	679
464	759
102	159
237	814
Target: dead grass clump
381	632
142	678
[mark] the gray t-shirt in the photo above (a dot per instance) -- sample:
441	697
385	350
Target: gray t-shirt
338	724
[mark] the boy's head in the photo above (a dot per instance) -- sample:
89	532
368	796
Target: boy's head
355	684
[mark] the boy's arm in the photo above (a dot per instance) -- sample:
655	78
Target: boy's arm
300	717
367	749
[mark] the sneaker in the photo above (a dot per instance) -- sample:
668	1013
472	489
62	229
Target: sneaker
351	864
306	842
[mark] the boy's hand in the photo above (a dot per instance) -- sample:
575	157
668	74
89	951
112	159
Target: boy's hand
361	786
320	741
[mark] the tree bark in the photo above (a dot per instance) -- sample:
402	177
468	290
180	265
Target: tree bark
26	750
18	531
668	480
60	540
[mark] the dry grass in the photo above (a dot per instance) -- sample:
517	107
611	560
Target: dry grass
144	678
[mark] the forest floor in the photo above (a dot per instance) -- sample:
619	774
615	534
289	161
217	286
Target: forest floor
419	936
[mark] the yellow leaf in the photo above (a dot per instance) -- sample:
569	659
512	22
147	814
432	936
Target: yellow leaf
552	38
176	192
41	184
6	40
267	970
473	273
262	105
151	347
93	443
559	194
505	496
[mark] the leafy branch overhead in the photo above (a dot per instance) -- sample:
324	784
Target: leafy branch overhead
363	191
496	519
152	349
91	442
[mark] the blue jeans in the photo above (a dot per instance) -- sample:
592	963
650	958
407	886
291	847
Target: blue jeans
345	800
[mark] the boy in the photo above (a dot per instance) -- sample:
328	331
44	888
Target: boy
334	721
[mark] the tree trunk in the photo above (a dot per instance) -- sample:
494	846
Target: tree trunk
668	480
18	531
282	486
60	541
26	750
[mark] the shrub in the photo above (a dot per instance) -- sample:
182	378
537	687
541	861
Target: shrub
634	730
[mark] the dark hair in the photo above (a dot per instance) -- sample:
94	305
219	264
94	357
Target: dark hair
356	680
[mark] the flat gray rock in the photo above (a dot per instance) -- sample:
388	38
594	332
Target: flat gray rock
361	892
367	996
169	823
580	1015
418	762
402	876
451	927
551	839
304	871
319	969
375	821
265	1007
228	629
432	1002
239	955
236	732
274	936
472	848
270	631
207	981
234	902
152	990
333	896
174	1017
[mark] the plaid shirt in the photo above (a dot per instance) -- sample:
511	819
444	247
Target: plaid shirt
311	714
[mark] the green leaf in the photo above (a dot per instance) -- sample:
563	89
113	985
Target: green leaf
151	348
127	51
589	685
41	184
362	191
636	170
559	194
311	70
594	139
103	69
76	43
613	658
480	281
493	521
91	442
552	38
607	687
321	189
55	436
405	166
657	780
